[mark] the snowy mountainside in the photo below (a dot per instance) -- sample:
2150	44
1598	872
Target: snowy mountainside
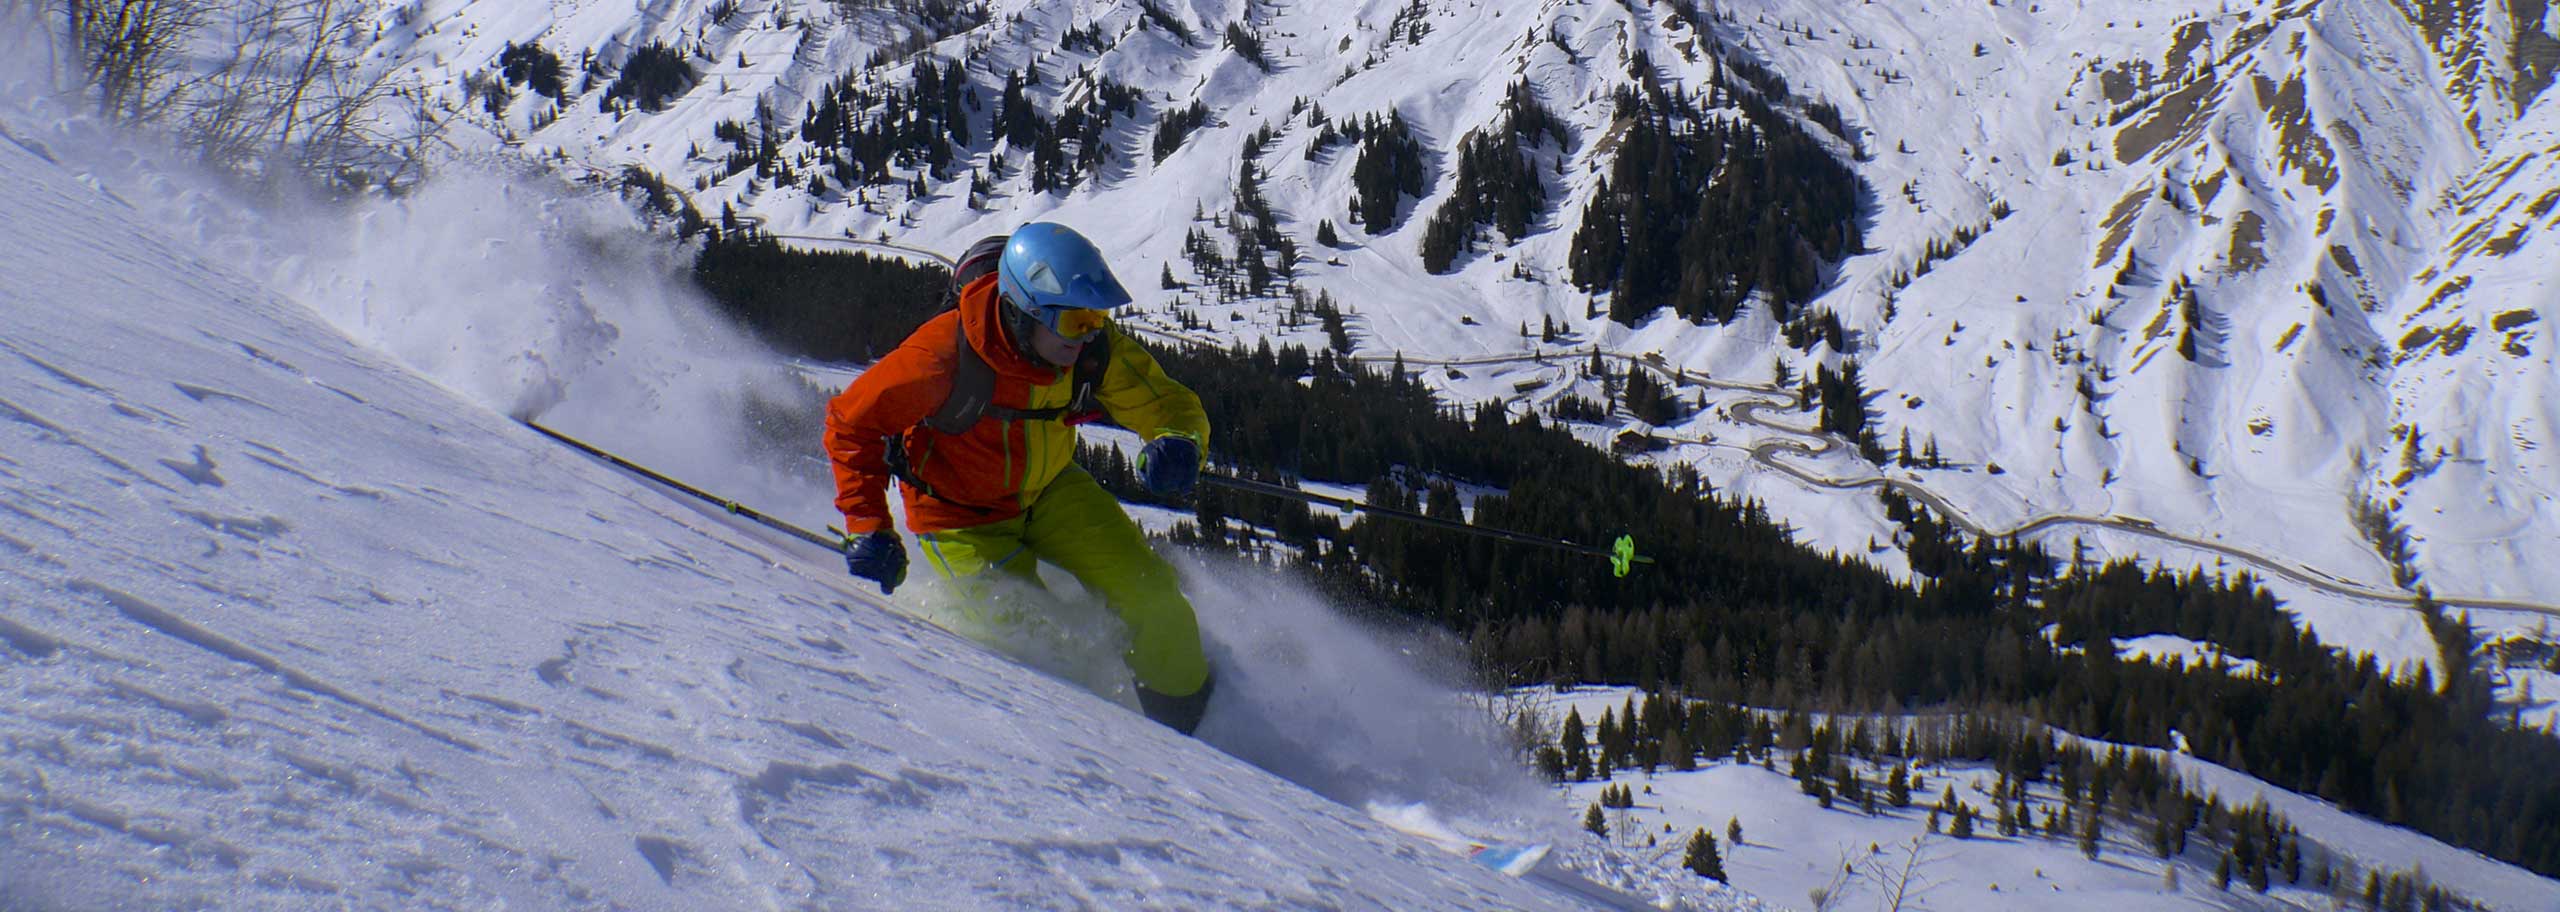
2170	263
2201	281
286	624
2489	287
2188	316
1792	844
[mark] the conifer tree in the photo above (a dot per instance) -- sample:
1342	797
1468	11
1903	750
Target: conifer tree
1703	859
1609	731
1577	746
1596	820
1551	763
1733	830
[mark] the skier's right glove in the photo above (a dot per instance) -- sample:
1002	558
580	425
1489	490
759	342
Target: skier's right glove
1169	465
879	557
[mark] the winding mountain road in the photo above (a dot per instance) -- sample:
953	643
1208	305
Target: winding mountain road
1811	444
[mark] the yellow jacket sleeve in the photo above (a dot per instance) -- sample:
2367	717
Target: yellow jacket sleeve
1141	398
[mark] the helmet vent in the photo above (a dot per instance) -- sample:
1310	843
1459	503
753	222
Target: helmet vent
1044	280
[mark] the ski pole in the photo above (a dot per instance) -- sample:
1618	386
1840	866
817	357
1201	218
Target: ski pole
1621	554
733	507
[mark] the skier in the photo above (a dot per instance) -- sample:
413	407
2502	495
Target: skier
975	415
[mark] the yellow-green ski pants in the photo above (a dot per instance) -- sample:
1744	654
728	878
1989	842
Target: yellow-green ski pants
1077	527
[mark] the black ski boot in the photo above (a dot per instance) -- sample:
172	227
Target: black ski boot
1181	714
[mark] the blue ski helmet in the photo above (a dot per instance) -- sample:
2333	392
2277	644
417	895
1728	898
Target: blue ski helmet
1048	270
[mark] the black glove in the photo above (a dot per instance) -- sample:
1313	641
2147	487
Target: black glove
1169	465
879	557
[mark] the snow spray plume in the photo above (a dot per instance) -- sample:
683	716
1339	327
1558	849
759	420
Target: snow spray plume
524	295
527	297
1062	632
1373	717
1361	713
540	302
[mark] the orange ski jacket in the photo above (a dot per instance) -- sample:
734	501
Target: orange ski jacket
997	469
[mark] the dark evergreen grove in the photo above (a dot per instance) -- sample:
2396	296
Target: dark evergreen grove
1497	184
1698	212
831	306
860	135
1389	168
1175	126
531	66
1734	609
1842	400
655	75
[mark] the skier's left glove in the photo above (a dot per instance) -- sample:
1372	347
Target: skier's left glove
1169	465
879	557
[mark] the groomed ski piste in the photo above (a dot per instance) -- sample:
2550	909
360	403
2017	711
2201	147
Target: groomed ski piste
293	614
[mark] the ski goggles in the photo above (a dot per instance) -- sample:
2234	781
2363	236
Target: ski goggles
1075	323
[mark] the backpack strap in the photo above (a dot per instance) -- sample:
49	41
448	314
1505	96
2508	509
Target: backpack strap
972	395
1085	405
973	391
973	387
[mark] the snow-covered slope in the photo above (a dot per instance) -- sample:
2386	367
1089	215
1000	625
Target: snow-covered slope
2342	198
285	625
1791	845
2474	380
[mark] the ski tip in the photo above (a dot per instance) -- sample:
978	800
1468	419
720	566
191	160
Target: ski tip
1514	860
